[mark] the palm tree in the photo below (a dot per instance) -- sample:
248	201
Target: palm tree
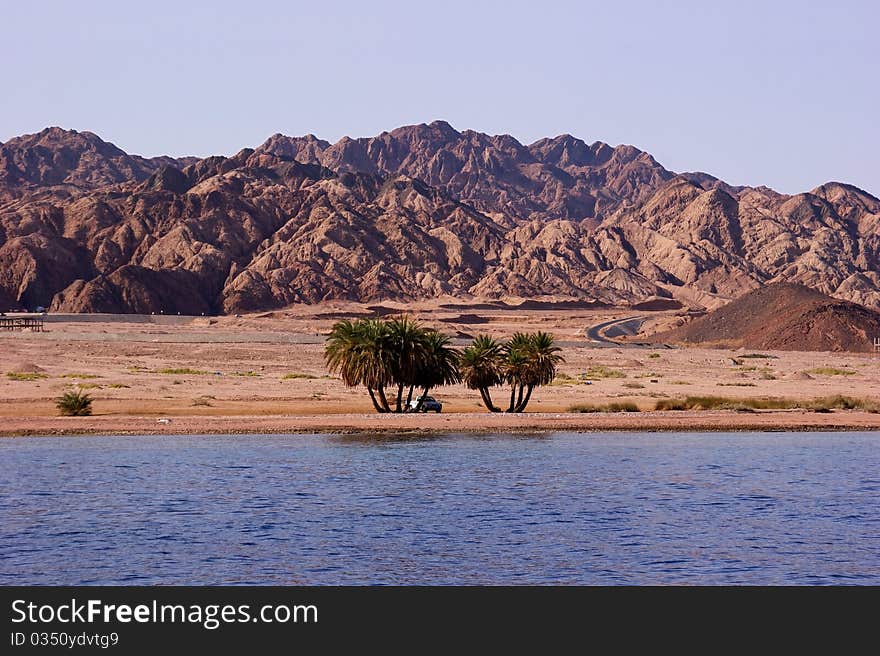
543	358
408	341
439	366
480	367
517	363
526	361
360	352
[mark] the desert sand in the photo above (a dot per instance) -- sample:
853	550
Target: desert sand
264	373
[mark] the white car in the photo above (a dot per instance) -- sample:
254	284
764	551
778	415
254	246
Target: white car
429	404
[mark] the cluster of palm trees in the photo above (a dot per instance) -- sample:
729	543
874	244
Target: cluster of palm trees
526	361
400	355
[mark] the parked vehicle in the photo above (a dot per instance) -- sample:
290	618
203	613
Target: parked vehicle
429	404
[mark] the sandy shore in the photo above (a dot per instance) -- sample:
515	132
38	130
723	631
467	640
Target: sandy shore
447	423
265	374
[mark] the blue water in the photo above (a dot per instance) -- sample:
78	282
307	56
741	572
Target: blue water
640	508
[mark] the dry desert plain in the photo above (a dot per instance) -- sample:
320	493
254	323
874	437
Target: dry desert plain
263	373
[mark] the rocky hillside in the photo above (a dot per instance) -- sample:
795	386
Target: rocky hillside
421	211
783	316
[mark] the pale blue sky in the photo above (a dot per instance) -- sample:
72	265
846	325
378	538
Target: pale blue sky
779	93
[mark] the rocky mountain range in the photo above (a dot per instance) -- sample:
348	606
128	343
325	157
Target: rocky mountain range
421	211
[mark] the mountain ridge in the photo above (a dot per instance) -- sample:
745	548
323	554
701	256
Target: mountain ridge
420	211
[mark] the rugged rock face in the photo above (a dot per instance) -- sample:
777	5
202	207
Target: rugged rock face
786	317
421	211
553	178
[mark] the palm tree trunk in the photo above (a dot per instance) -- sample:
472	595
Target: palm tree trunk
421	399
512	405
521	406
519	398
399	398
381	392
376	405
487	400
409	398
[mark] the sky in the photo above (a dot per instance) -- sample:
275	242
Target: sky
785	94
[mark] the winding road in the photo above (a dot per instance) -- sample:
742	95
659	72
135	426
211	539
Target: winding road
627	325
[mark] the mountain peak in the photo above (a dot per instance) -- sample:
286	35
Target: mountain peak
59	156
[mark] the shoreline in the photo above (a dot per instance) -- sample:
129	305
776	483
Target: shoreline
423	424
222	376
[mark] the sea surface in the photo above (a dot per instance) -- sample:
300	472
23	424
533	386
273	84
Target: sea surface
603	508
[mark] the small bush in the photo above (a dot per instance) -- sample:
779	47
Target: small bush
75	403
14	375
840	402
736	385
601	371
671	404
563	379
822	404
831	371
759	355
679	382
201	401
248	374
725	403
184	371
119	386
294	375
81	376
653	355
616	406
633	386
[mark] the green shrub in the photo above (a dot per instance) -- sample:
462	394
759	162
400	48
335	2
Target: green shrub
601	371
822	404
184	371
75	403
840	402
294	375
616	406
725	403
14	375
831	371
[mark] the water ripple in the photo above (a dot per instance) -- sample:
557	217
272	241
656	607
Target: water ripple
590	509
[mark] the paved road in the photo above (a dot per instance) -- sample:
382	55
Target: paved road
595	332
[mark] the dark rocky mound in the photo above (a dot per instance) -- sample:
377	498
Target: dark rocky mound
786	317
